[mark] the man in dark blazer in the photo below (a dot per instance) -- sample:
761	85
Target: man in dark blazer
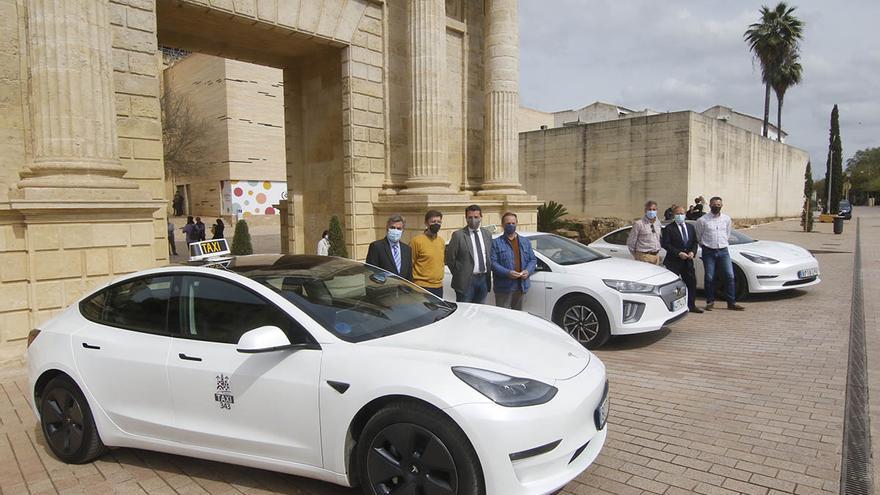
389	253
679	239
468	256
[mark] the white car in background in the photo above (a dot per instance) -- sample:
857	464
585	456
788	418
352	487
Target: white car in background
758	266
593	296
320	367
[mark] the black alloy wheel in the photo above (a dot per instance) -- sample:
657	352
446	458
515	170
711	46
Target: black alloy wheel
585	320
741	285
67	423
410	448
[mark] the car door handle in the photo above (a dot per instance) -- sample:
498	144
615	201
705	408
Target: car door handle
188	358
89	346
613	250
548	287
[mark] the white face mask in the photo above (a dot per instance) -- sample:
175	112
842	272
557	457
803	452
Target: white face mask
679	219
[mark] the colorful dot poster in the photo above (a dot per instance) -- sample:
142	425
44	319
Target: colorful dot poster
252	197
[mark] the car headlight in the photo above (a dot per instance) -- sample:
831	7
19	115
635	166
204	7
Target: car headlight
505	390
628	286
761	260
600	417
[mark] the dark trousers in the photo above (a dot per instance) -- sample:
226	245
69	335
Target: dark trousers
477	291
685	270
718	259
437	291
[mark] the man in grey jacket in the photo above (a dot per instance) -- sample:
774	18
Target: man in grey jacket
468	256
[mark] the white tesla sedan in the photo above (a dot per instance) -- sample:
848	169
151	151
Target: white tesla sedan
759	266
320	367
593	296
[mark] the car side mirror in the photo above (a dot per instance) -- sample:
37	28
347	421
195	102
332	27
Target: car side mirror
263	339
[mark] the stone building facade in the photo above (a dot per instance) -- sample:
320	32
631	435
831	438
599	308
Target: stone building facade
391	106
615	166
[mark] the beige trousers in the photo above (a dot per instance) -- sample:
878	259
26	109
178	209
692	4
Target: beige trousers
653	259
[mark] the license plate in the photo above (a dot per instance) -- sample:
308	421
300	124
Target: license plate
679	303
809	272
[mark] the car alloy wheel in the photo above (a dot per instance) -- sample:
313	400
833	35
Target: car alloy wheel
407	458
581	322
63	420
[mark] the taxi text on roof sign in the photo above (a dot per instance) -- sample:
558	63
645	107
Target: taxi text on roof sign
205	250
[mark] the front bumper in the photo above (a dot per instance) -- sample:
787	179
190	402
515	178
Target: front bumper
781	276
656	314
496	432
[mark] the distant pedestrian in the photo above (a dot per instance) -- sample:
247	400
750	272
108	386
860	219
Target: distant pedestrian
217	229
427	255
513	262
680	242
468	256
324	244
200	228
696	210
390	253
171	246
644	237
713	234
191	231
667	215
177	204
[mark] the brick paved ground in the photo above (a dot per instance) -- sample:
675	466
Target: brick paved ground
725	402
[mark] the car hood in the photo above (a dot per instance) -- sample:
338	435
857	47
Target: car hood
781	251
501	340
622	269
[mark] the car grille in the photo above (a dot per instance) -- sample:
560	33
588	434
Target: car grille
799	282
672	292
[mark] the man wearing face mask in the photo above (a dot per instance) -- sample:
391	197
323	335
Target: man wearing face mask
468	258
713	234
680	242
427	255
513	262
644	237
390	253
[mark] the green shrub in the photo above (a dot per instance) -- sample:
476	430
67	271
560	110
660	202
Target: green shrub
337	240
241	240
550	216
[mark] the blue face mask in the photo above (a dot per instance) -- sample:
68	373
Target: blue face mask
652	214
509	228
679	219
394	235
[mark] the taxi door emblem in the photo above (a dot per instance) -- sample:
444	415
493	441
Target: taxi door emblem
223	395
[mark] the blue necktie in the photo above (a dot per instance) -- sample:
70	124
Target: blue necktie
395	252
684	234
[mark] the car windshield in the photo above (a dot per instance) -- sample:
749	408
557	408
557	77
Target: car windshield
737	237
564	251
843	204
355	302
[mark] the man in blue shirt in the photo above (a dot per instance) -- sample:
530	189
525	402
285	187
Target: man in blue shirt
513	262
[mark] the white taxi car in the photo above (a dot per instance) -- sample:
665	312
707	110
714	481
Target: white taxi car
592	295
319	367
758	266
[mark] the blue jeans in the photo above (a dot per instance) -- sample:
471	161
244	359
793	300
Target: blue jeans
477	291
719	258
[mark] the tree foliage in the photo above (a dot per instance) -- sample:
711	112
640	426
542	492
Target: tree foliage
786	74
241	240
550	216
834	163
863	170
774	37
807	213
337	240
183	135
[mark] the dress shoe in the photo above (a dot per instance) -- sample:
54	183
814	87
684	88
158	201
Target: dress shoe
696	310
710	306
735	307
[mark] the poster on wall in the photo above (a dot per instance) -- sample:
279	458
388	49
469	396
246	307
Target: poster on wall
252	197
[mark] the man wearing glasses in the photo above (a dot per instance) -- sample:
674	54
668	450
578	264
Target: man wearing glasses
644	237
390	253
513	262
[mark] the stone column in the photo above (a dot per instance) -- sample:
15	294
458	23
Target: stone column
501	66
73	117
428	168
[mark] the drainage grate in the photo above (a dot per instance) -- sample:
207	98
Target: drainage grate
856	474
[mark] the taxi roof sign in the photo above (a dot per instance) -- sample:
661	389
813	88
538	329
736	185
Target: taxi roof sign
211	250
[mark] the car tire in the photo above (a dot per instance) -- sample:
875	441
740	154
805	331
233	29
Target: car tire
67	423
584	319
408	447
741	285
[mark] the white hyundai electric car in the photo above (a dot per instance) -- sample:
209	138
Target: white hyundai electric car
593	296
320	367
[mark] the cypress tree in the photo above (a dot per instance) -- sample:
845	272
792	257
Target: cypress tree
836	157
337	240
241	240
807	214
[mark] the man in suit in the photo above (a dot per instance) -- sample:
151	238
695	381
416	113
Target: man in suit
468	256
679	239
389	253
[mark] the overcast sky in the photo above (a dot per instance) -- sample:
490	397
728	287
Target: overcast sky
689	55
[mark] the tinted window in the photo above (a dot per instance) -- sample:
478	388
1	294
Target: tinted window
618	237
140	305
221	311
564	251
737	237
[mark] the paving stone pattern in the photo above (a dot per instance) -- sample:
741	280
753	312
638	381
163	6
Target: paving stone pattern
724	402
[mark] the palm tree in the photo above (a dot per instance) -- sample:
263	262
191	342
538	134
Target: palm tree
785	75
776	35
